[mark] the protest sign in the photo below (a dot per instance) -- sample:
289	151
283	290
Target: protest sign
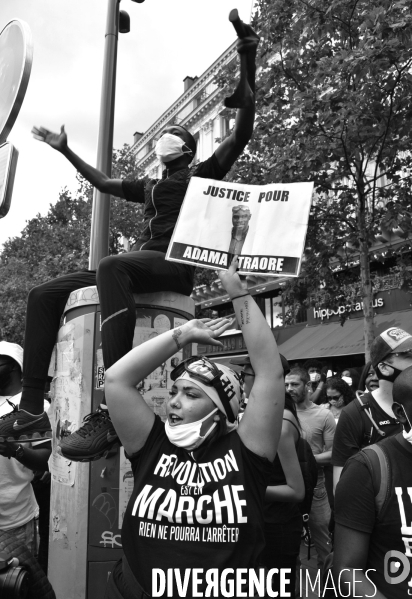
264	224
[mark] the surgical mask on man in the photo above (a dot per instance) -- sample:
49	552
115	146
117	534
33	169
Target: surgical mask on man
169	147
188	435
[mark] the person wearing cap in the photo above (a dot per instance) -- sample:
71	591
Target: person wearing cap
18	505
370	418
199	479
373	536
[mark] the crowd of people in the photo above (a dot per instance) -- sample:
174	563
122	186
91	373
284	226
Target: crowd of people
358	520
224	487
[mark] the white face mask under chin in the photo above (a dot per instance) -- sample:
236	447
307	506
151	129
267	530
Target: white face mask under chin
407	436
188	435
169	147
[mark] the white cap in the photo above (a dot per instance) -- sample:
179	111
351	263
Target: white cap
13	350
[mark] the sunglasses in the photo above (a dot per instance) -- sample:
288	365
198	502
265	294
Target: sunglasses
334	398
207	373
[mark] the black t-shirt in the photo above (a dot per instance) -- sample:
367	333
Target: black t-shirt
189	514
392	530
280	512
350	430
163	199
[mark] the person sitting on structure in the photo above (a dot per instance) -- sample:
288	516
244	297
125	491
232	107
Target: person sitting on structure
143	270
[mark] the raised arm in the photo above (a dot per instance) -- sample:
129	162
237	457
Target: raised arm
58	141
232	147
261	425
132	418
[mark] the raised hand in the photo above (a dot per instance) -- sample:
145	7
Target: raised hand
207	330
248	43
231	281
58	141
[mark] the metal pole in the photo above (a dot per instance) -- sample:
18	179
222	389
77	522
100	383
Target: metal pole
99	236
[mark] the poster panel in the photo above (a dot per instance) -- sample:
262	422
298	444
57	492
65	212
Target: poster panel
265	225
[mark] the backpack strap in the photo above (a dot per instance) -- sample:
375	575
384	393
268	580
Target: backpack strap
367	418
379	466
291	422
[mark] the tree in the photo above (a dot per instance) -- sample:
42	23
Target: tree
334	107
58	243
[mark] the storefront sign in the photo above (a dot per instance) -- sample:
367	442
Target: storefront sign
348	309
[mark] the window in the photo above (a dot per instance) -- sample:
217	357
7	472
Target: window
224	126
274	311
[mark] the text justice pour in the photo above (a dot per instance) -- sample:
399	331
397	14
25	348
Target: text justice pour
274	195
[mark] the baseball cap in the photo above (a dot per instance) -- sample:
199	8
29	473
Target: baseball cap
13	350
390	341
245	361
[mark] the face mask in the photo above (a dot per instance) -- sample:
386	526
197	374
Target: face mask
336	404
389	377
347	380
314	377
169	147
188	435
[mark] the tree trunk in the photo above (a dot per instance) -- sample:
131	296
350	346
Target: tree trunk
365	277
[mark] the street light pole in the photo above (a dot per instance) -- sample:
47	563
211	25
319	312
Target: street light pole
99	235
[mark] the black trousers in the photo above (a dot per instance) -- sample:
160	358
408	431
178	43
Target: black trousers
117	278
282	550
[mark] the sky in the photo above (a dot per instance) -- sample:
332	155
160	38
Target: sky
169	40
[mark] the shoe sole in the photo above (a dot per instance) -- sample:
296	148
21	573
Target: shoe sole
27	437
90	458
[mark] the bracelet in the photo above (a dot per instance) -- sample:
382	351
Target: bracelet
237	296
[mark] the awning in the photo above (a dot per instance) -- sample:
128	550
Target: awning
328	340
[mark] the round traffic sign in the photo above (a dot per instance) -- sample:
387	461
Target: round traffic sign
16	57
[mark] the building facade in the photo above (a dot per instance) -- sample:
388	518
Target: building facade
200	109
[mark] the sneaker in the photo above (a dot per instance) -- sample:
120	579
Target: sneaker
91	441
19	425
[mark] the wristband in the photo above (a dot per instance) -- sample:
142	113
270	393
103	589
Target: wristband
237	296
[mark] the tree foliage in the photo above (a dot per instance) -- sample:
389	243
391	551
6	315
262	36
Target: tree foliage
334	107
58	243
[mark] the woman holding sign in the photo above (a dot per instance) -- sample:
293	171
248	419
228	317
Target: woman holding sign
195	518
143	270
